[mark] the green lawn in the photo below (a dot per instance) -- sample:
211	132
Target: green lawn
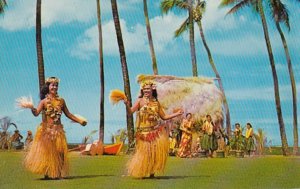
108	172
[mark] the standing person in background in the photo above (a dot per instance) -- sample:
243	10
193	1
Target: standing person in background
152	141
207	139
47	154
237	130
250	146
185	146
28	139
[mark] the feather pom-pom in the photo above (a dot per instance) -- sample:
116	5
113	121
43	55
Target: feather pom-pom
116	95
24	102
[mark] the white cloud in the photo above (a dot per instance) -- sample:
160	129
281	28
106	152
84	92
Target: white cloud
134	40
245	45
214	18
163	28
135	37
265	93
20	14
272	121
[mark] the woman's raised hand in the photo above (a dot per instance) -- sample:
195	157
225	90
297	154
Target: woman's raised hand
180	112
83	123
126	102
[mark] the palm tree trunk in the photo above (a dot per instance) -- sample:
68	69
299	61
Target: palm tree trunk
39	48
211	61
275	80
153	57
293	85
192	39
101	126
129	117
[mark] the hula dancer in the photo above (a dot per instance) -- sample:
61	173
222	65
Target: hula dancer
47	154
152	143
186	139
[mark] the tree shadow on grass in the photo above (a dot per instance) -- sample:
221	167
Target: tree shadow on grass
88	176
77	177
176	177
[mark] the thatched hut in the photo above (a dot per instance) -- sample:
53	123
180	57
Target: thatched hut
196	95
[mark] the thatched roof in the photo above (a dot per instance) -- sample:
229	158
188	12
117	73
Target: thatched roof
196	95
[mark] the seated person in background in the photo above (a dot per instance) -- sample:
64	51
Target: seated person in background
16	139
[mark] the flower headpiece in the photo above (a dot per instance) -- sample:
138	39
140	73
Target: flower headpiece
147	82
52	80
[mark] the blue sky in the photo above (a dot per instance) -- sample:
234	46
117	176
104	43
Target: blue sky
70	45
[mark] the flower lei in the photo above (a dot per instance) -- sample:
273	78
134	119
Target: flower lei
51	111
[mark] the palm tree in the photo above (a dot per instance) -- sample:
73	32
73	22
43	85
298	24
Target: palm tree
280	14
2	5
39	48
101	126
129	117
192	38
166	6
257	4
5	123
153	57
198	13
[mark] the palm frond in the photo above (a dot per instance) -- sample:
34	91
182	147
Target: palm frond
5	122
167	5
92	132
202	5
89	136
16	127
199	10
254	5
2	5
260	136
184	26
239	6
279	12
225	3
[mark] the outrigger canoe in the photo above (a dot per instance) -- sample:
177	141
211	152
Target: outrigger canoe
113	149
98	149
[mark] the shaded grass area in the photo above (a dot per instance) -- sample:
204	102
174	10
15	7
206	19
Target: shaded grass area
109	172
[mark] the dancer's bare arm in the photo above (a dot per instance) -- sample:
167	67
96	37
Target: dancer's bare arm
37	111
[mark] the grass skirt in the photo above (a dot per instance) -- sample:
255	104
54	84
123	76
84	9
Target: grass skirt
250	145
47	154
151	153
185	148
209	142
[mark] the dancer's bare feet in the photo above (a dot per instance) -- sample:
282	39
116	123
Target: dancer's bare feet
152	175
